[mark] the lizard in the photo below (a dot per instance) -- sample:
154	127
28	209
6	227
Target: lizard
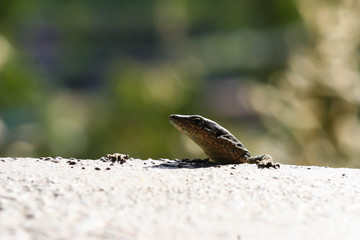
217	142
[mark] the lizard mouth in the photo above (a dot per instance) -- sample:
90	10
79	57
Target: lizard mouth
180	122
174	120
172	117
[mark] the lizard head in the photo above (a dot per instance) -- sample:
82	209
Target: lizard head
196	127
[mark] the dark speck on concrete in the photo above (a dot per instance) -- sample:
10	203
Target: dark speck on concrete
71	162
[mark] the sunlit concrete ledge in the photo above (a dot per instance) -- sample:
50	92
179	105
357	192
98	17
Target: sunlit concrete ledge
57	198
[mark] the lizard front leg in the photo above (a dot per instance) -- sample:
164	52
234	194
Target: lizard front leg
263	161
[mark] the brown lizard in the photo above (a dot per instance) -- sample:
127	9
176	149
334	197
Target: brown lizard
217	142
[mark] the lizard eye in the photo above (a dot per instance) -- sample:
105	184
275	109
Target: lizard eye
197	121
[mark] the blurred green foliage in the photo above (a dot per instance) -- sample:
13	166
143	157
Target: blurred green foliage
87	78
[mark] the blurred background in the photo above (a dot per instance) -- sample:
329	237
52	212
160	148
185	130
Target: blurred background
85	78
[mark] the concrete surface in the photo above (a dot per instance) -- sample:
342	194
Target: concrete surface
162	199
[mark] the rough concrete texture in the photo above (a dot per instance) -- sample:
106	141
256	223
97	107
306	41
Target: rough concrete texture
162	199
